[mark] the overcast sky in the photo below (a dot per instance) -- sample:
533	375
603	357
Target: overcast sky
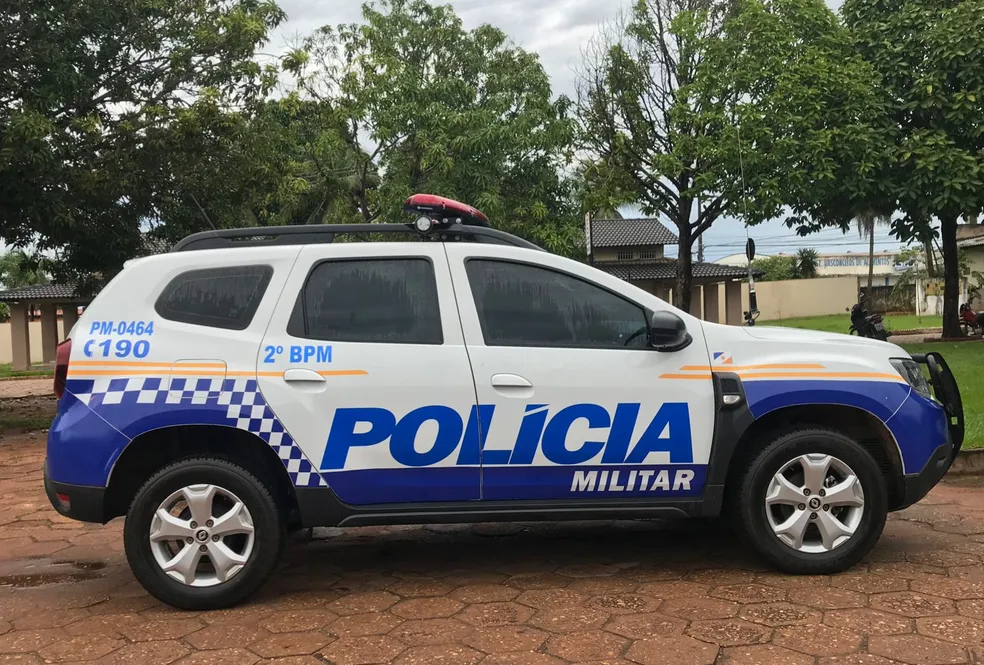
557	30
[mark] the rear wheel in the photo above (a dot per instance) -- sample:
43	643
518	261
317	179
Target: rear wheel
813	501
203	534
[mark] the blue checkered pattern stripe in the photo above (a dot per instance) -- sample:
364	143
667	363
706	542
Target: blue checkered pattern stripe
244	406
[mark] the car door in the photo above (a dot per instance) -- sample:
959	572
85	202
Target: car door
364	363
573	401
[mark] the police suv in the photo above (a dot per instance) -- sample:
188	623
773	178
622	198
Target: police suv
255	381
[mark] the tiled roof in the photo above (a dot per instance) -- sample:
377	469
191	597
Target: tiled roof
628	232
667	270
970	235
38	292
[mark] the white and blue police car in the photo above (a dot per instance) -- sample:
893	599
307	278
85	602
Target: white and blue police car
254	381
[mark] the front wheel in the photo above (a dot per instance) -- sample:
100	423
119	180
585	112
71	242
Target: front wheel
812	502
202	534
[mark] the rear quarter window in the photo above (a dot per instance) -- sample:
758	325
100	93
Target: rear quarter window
215	297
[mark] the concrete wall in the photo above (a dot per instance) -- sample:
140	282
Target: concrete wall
35	327
794	298
975	257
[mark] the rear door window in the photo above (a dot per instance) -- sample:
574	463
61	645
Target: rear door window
386	300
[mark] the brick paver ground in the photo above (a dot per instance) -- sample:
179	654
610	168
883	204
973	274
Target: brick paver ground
642	593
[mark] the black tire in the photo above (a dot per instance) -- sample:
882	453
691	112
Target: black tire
751	521
269	533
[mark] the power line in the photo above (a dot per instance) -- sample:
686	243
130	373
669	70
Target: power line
777	244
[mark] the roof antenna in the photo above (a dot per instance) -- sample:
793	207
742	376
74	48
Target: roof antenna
752	312
202	210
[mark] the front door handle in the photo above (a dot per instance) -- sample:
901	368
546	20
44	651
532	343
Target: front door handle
299	375
510	381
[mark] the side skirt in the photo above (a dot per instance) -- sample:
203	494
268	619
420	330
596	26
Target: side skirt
321	507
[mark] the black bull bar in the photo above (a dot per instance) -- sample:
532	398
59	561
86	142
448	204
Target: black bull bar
947	394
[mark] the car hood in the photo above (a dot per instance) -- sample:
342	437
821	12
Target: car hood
777	334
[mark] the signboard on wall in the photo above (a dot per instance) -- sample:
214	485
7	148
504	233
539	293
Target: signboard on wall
850	261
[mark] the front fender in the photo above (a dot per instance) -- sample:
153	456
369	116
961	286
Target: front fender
879	398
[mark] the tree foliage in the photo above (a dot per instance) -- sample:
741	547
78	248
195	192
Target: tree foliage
90	90
930	57
17	268
284	162
807	262
776	268
751	107
455	112
802	265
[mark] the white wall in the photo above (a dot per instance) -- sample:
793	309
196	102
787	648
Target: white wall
794	298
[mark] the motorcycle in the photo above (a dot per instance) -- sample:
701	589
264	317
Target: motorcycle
867	325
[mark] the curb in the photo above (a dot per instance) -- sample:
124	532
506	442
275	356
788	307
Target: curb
968	463
26	378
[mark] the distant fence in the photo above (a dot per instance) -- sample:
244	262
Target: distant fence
35	328
898	298
794	298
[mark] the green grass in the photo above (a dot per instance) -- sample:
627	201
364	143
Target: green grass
6	371
841	323
966	359
9	421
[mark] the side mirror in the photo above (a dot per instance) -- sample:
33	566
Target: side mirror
668	332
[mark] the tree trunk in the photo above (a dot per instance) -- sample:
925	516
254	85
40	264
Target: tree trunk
684	277
930	262
951	277
871	266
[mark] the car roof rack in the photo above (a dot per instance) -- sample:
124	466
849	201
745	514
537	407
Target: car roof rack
315	234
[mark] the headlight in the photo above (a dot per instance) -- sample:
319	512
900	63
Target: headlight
912	372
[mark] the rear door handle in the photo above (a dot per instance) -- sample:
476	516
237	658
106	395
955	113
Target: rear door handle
299	375
510	381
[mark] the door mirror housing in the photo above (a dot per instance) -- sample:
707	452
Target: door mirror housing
668	332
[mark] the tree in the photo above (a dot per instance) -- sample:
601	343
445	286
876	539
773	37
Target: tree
89	88
930	57
284	162
752	107
807	263
866	223
776	268
460	113
19	269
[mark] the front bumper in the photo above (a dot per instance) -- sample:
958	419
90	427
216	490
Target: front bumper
917	485
79	502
